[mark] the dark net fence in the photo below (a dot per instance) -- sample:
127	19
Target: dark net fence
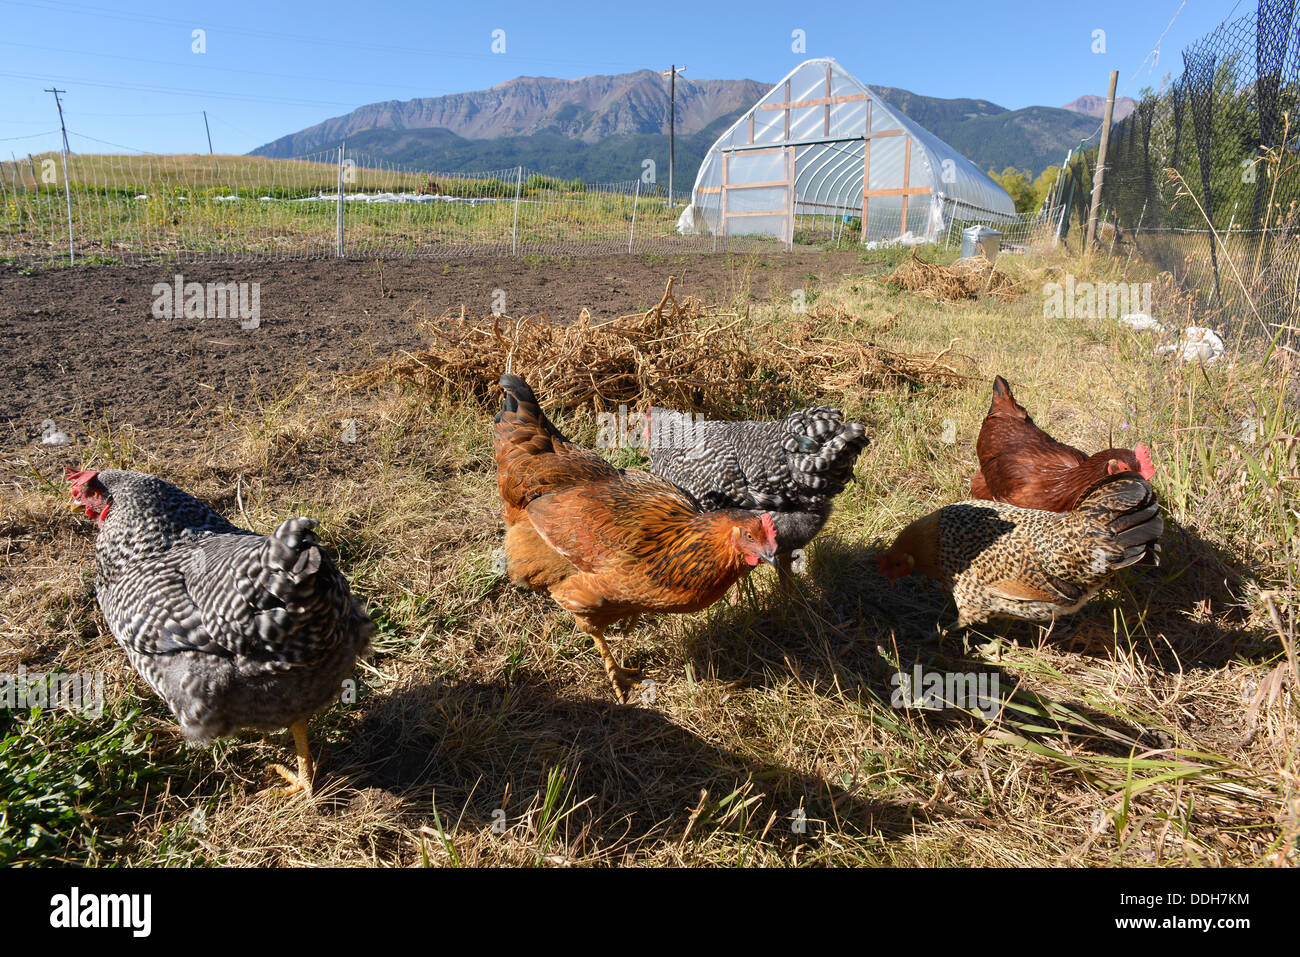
1203	178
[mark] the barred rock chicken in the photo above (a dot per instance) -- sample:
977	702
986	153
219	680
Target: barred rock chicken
232	629
1022	465
791	468
609	543
1003	561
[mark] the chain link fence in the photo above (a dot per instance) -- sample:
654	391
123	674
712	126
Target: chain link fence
1203	178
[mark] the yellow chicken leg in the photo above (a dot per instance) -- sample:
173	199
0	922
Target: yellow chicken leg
303	779
623	679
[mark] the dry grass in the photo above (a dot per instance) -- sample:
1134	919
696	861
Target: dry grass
1162	731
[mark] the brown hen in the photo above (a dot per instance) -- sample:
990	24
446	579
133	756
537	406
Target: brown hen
609	543
1022	465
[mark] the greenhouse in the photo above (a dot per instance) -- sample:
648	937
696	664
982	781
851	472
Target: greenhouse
822	152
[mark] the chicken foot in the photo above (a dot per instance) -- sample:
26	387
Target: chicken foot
623	679
300	782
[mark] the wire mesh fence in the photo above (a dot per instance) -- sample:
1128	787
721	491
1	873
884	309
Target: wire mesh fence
148	208
940	224
219	208
1203	178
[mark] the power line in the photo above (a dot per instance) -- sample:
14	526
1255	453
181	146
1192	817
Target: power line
118	145
1230	13
164	91
1154	52
29	136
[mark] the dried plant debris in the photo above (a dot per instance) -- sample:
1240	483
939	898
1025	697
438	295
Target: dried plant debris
681	354
964	279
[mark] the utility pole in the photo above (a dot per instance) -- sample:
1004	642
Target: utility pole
1101	162
209	131
67	187
671	73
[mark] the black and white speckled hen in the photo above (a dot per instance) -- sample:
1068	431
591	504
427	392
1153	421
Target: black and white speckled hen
232	629
791	467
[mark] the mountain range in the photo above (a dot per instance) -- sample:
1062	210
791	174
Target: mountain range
1095	106
602	128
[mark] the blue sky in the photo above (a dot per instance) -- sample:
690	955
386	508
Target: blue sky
134	80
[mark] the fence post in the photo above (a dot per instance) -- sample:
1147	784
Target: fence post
635	199
340	218
947	236
514	230
1101	163
67	195
1060	183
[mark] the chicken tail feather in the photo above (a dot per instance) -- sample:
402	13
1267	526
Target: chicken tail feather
1127	506
821	449
519	398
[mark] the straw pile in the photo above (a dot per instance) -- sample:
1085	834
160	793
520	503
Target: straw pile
680	354
964	279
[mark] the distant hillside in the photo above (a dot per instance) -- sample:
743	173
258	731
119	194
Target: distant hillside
613	159
601	128
993	137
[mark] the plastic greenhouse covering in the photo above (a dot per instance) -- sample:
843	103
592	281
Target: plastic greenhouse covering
822	145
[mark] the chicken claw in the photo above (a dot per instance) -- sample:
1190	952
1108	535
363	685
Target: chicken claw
623	679
302	781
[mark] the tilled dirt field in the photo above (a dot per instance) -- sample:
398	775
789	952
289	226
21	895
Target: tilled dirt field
81	345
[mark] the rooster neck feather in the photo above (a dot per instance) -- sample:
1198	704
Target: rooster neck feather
689	550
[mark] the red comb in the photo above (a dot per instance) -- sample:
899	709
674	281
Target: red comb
1145	466
77	478
768	526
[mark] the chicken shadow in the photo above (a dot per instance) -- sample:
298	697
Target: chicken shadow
848	629
483	753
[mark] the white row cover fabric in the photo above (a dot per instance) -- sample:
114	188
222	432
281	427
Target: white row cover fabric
818	130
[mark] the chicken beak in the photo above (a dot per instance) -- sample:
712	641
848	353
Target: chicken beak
768	557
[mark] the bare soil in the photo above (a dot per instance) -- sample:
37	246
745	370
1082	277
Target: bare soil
81	346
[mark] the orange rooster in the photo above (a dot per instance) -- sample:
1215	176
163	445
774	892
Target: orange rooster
1022	465
608	543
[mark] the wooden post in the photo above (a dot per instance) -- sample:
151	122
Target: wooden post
1101	162
907	169
789	166
635	199
826	122
1060	222
514	230
866	171
787	110
672	149
722	203
339	227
